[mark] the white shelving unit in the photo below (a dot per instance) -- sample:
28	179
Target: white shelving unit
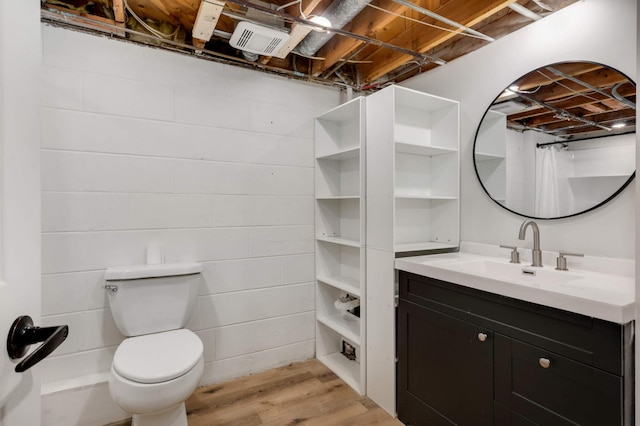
340	239
412	204
490	154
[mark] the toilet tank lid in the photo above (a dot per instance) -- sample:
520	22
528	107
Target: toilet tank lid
133	272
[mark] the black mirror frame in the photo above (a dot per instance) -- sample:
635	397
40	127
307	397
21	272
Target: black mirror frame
475	166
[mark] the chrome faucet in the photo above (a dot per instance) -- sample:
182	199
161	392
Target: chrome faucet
536	254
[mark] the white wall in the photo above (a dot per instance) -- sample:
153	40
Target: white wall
213	162
593	30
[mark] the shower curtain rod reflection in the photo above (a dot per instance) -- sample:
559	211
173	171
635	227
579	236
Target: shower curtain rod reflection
540	145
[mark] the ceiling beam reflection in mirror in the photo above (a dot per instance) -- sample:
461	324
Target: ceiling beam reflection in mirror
526	109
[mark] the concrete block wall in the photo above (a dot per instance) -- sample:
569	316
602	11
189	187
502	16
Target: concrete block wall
214	163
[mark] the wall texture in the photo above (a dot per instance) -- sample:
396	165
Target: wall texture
574	33
214	163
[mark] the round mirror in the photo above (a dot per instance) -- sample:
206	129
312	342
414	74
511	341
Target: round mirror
559	141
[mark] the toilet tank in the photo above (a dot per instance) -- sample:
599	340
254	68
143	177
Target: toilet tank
148	299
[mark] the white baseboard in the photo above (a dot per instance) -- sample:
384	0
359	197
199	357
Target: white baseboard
80	403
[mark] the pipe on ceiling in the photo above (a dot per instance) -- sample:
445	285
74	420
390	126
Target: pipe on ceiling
516	7
620	98
373	41
340	13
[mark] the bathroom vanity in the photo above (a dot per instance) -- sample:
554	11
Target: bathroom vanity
469	355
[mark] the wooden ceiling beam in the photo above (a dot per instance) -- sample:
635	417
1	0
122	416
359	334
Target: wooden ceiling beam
577	101
369	22
496	26
119	16
568	88
206	21
422	38
174	12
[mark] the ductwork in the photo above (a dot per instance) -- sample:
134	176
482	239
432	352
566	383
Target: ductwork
340	12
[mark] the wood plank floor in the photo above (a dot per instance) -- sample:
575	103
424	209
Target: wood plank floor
305	393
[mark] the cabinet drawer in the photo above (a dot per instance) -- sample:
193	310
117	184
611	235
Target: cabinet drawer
588	340
562	392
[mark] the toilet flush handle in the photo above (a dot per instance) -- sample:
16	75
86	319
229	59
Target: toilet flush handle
111	287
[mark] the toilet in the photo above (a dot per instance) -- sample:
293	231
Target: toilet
160	363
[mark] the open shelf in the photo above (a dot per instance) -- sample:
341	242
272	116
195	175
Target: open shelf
425	150
343	325
345	284
339	218
338	240
339	131
343	154
340	235
424	197
425	246
329	344
348	371
481	156
338	178
412	205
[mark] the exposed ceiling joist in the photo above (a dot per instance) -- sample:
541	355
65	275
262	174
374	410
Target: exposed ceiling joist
386	41
206	21
424	39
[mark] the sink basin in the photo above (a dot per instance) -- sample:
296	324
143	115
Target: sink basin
513	272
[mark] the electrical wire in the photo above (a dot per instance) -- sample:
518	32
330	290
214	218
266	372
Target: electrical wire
152	30
575	92
417	21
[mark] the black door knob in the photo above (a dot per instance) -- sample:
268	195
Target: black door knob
23	334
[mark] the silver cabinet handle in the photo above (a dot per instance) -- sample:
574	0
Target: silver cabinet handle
544	362
482	337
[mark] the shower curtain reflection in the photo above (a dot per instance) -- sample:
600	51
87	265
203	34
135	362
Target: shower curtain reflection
547	192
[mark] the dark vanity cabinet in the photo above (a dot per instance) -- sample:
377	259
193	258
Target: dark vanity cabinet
468	357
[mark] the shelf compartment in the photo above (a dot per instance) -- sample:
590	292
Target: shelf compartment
491	140
339	262
341	324
338	218
338	178
340	129
422	176
329	345
493	175
425	120
425	221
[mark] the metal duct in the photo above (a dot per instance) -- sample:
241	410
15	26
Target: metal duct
339	13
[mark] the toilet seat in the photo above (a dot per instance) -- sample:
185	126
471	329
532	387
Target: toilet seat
158	357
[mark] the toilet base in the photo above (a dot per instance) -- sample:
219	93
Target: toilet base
176	416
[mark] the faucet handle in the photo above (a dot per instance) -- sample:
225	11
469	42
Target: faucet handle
561	261
515	256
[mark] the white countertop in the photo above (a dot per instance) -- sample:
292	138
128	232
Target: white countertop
606	296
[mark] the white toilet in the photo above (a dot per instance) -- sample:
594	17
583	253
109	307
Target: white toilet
160	364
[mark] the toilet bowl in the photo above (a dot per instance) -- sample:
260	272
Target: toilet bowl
160	364
152	376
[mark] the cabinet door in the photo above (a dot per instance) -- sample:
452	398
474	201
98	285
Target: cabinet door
549	389
445	369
